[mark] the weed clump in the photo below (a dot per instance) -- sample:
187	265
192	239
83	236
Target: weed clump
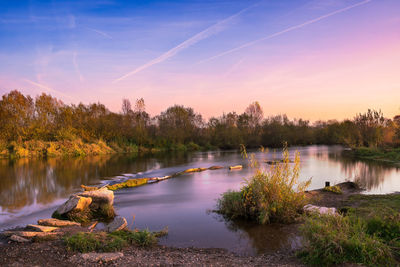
273	195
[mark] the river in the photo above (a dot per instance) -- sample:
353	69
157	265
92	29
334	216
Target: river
31	189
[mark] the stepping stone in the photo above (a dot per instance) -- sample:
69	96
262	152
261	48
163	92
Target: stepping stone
57	223
18	239
75	203
29	234
117	224
41	228
104	257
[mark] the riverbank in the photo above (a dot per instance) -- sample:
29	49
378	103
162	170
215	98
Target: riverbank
45	252
389	155
78	148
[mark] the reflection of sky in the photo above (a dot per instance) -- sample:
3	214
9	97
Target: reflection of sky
307	58
181	203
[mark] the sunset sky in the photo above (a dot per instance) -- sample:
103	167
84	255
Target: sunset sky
312	59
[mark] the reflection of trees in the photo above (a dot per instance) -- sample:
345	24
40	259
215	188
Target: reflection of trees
26	182
369	174
265	238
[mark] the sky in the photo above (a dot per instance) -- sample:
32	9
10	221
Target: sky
310	59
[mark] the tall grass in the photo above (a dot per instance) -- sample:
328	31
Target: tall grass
331	240
271	195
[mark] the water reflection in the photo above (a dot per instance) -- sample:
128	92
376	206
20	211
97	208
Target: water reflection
370	174
31	189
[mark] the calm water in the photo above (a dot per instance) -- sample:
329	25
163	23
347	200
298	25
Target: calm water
32	189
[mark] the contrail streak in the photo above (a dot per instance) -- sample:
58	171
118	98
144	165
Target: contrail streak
214	29
100	32
47	88
285	31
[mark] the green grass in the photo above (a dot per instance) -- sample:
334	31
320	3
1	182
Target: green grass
143	238
389	154
369	233
334	240
99	242
109	242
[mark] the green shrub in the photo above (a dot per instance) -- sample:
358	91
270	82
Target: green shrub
336	240
273	195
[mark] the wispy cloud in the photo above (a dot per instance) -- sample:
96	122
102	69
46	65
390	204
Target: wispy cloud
77	69
285	31
210	31
48	89
100	32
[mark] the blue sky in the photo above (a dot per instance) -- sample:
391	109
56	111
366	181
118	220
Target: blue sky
294	57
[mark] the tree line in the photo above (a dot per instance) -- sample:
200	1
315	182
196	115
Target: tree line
46	118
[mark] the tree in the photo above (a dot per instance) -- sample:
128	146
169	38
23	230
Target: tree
16	113
370	126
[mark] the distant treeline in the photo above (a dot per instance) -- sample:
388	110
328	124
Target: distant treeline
45	120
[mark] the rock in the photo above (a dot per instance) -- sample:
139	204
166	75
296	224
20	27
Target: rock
104	257
237	167
18	239
41	228
74	203
57	223
320	210
102	195
29	234
117	224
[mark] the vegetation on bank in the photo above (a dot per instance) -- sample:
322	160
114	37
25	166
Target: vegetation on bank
379	154
272	195
367	232
109	242
45	126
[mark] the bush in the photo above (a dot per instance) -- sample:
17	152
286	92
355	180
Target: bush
273	195
336	240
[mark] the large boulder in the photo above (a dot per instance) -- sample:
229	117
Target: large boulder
57	223
119	223
76	203
102	195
